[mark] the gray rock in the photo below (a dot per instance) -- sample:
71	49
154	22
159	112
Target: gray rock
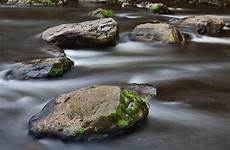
202	24
101	32
93	112
157	32
40	68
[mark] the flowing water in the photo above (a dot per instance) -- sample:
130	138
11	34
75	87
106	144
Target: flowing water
190	111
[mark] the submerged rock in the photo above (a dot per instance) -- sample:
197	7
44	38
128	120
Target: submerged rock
202	24
92	112
158	8
101	13
40	68
101	32
157	32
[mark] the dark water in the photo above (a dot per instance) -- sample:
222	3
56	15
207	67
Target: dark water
190	112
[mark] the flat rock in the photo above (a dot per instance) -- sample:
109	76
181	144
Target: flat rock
157	32
101	32
40	68
94	112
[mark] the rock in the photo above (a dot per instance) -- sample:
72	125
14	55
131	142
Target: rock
36	2
101	32
126	4
157	32
93	112
101	13
202	24
158	8
40	68
95	1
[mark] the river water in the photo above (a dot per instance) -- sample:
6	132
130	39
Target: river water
190	111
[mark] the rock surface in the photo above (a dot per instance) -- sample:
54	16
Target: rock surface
101	13
40	68
101	32
202	24
157	32
158	8
36	2
92	112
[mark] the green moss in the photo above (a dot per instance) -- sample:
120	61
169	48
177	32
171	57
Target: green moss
155	8
107	13
129	109
79	132
54	71
122	123
60	67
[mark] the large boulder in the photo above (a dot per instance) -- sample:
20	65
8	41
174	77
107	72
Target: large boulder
202	24
158	8
94	112
101	13
157	32
101	32
40	68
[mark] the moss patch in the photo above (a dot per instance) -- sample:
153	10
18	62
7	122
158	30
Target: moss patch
155	8
101	13
129	110
60	67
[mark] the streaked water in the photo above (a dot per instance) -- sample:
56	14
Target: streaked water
190	111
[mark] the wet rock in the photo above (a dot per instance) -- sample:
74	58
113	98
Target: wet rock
93	112
158	8
157	32
101	32
202	24
95	1
40	68
36	2
101	13
220	3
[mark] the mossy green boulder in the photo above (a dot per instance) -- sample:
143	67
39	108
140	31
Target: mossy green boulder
92	112
101	13
40	68
158	8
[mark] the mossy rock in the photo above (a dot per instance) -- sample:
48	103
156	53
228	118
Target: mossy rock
158	8
96	111
40	68
101	13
